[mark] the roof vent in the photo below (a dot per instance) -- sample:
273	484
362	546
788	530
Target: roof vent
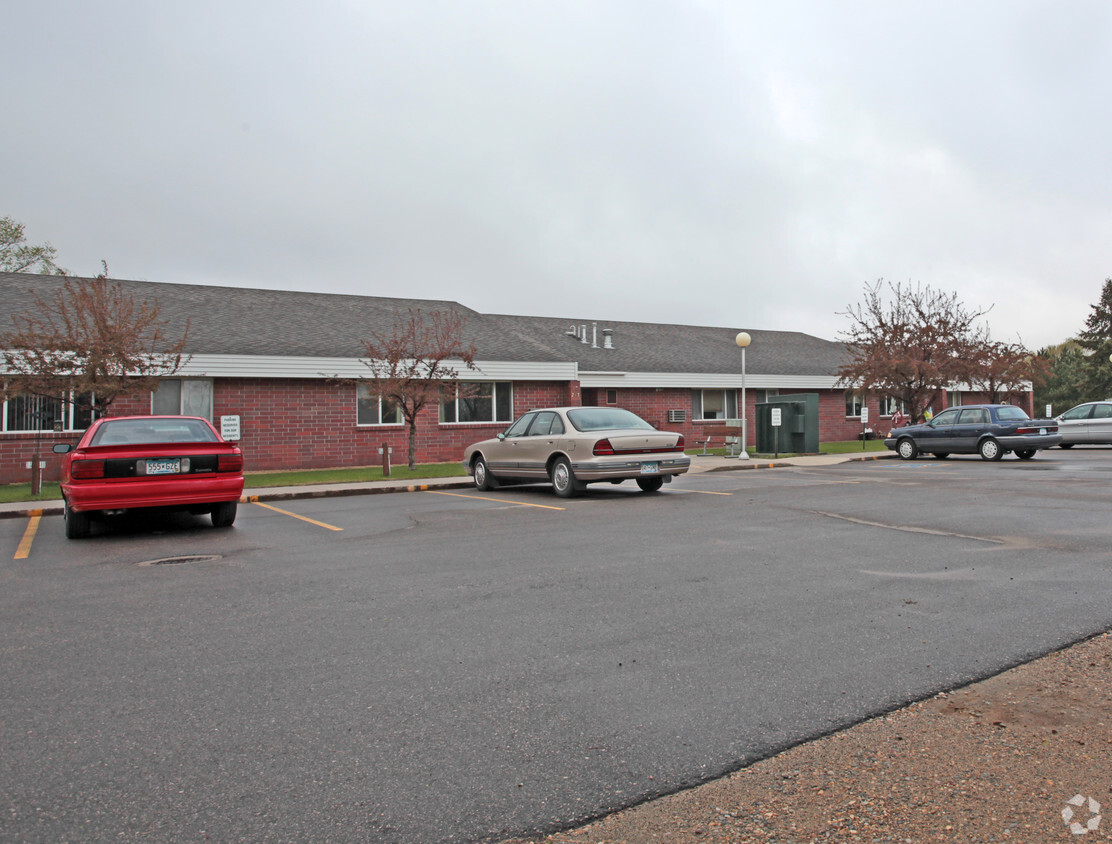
608	338
572	331
583	333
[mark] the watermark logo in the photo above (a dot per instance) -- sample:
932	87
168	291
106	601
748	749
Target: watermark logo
1082	814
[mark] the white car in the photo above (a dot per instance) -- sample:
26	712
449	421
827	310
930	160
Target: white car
1089	423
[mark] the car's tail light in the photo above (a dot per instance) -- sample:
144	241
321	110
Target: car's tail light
679	444
83	470
1041	429
229	463
603	447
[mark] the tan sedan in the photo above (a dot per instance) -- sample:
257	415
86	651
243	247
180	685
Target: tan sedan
571	447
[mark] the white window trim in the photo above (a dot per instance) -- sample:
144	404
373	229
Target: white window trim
725	393
899	403
858	398
68	412
380	424
494	405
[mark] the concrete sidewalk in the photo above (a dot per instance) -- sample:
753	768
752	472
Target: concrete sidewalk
699	464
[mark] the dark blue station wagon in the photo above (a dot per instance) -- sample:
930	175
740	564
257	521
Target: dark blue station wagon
990	430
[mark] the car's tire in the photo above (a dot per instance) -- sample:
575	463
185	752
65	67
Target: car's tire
78	525
650	484
224	514
563	479
941	455
906	449
990	449
1066	445
1026	453
480	471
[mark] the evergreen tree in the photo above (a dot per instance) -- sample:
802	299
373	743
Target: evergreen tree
1062	385
1096	344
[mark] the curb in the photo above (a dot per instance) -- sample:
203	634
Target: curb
53	508
788	462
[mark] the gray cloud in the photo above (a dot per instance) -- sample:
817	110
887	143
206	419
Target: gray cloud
748	164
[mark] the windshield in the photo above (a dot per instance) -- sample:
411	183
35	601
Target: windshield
153	430
605	418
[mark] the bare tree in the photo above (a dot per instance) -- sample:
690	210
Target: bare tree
89	344
417	363
1003	370
909	344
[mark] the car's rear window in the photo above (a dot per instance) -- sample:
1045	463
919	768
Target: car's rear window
150	431
604	419
1011	414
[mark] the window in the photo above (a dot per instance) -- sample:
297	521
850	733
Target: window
519	427
478	401
953	398
763	396
890	406
973	416
184	397
1011	414
611	396
1081	412
546	424
854	403
714	404
35	413
946	417
372	409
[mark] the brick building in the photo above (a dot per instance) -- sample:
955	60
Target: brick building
277	359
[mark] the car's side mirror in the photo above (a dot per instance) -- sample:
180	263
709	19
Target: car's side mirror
62	448
501	435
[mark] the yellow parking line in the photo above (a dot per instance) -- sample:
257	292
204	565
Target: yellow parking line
254	499
499	500
24	549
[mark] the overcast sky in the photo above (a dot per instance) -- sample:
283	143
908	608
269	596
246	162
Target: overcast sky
748	164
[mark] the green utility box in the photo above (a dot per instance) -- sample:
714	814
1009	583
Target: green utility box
798	431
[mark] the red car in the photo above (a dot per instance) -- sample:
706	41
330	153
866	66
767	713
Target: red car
166	462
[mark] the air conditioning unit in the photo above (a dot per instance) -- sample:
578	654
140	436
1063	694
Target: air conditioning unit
677	415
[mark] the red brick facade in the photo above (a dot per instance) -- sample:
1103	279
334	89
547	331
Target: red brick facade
303	423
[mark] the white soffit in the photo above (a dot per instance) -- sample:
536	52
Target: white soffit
253	366
707	380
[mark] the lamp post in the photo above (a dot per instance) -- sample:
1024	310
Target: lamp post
743	340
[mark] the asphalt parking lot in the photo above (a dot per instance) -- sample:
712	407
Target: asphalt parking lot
461	666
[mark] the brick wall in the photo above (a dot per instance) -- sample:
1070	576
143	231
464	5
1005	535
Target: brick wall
302	423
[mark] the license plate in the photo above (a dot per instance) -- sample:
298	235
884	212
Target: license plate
166	466
650	468
1042	430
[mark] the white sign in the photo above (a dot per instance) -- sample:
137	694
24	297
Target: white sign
775	417
864	416
1048	413
229	428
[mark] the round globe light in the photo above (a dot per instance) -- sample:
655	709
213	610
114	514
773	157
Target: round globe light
743	339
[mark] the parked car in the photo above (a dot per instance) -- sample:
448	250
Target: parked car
1087	423
991	430
571	447
127	463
